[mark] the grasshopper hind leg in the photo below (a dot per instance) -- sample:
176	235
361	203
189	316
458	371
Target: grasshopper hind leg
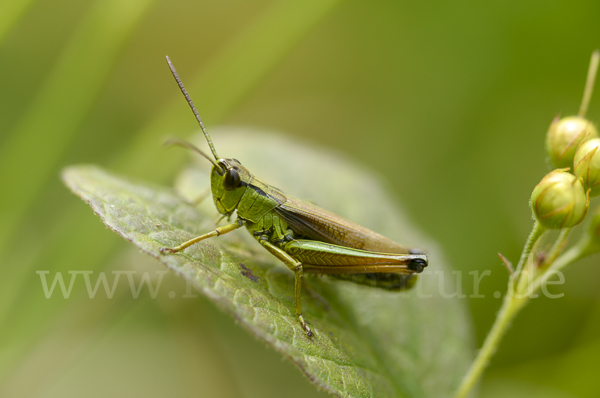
296	267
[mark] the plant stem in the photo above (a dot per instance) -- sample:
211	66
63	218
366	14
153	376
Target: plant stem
557	247
511	305
535	234
584	248
520	290
589	84
509	309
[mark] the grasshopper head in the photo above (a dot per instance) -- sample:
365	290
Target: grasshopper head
228	182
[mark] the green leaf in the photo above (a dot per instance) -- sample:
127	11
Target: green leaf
368	342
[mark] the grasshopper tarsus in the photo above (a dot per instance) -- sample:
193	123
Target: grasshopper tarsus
307	329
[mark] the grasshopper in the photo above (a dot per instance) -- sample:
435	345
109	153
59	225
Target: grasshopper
306	238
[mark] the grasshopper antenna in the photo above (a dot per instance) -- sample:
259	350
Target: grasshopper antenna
185	144
198	118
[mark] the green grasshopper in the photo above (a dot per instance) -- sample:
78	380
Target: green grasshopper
306	238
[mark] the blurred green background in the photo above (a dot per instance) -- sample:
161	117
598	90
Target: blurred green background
447	101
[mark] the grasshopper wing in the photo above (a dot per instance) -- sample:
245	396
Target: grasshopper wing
313	222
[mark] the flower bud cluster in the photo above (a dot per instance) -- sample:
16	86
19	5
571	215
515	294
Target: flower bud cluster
561	199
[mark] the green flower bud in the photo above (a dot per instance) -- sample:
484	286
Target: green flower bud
559	200
587	165
564	136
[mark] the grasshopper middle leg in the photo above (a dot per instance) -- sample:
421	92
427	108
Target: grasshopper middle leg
295	266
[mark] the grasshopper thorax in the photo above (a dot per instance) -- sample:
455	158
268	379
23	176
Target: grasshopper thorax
228	181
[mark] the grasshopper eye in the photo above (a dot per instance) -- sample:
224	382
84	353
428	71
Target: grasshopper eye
232	179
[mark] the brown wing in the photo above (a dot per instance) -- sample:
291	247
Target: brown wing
313	222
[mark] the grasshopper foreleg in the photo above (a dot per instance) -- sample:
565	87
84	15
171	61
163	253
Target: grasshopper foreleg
219	231
296	267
